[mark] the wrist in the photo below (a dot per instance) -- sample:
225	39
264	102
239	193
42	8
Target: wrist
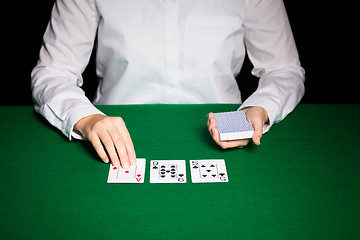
80	125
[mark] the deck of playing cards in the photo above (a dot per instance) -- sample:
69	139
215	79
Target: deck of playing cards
233	125
135	174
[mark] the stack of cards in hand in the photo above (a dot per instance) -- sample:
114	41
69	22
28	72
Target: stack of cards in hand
233	125
171	171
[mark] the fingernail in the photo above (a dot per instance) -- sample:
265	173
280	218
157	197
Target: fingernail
133	162
106	160
125	165
117	164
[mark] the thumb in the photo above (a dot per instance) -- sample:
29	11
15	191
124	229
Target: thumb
258	131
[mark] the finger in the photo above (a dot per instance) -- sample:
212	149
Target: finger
214	132
123	156
126	141
110	148
211	122
95	141
131	151
209	117
234	143
129	145
120	149
258	130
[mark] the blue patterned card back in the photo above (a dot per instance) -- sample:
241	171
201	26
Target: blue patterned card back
233	125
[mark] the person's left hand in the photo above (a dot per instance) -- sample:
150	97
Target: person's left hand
257	116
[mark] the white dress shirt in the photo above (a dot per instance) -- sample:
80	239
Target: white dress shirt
165	51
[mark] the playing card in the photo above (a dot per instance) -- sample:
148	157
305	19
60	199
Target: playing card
135	174
167	171
233	125
208	170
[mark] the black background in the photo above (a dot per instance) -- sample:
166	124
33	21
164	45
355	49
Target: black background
323	33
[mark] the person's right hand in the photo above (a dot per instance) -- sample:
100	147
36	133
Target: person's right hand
257	116
110	137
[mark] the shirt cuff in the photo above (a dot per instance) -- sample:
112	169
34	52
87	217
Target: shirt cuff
74	116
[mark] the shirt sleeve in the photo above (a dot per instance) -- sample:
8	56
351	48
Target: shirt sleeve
271	49
64	54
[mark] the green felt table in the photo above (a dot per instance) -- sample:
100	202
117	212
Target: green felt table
302	182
